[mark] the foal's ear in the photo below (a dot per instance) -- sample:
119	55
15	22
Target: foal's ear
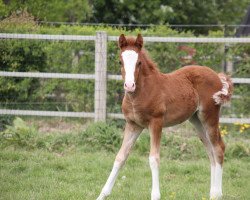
139	41
122	41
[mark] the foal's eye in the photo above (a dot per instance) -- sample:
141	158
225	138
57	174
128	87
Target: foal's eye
139	63
120	63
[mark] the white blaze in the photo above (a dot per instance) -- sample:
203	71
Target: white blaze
130	58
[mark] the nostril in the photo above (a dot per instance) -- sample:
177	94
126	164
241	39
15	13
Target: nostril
129	85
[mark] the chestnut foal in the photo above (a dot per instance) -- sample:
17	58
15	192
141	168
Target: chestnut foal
154	100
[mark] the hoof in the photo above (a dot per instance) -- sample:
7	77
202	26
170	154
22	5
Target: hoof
101	197
215	195
156	196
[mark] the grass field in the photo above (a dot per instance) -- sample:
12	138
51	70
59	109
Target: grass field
78	175
59	166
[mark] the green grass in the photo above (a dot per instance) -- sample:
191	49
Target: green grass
39	174
75	165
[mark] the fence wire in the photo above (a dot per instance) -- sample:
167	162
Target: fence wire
66	75
46	75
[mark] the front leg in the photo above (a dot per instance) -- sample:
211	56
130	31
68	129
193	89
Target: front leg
131	133
154	157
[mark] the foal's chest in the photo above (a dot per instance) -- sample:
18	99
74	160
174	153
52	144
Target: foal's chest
135	113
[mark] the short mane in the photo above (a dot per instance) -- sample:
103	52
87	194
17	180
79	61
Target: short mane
152	65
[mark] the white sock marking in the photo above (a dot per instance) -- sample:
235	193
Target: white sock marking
155	194
110	182
212	178
216	188
129	140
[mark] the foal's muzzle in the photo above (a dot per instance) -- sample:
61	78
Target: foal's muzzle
129	86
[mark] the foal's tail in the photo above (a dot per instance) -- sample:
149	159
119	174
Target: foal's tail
224	95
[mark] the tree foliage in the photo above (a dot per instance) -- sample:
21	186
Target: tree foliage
187	12
217	12
78	57
52	11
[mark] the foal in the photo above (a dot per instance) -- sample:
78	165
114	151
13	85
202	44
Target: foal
154	100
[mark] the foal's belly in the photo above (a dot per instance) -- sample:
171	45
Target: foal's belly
181	109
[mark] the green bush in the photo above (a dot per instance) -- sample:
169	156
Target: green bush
5	120
142	144
101	136
78	57
238	150
20	56
107	137
19	135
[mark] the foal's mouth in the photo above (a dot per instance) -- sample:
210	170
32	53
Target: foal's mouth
130	91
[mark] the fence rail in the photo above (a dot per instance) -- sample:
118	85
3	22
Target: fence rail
56	113
92	115
46	75
47	37
115	38
100	75
83	76
190	39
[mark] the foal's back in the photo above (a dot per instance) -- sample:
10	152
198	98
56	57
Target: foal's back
185	91
204	80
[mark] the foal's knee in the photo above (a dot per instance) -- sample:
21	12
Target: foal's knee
121	159
154	161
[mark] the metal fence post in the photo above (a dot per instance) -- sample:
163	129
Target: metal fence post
100	75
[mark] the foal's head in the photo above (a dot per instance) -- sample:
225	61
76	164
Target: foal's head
130	60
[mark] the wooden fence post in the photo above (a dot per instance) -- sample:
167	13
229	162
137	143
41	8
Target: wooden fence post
100	75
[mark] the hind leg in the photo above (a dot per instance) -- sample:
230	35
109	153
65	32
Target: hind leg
202	135
208	131
218	149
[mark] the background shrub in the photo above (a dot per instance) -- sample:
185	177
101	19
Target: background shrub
19	135
101	136
78	57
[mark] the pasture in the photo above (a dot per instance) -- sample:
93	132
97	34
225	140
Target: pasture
61	72
75	165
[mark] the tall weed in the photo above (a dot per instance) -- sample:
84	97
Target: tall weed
19	134
101	136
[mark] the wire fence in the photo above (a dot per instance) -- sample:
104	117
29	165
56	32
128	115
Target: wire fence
91	87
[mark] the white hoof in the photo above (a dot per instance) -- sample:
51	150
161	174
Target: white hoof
102	196
155	196
215	195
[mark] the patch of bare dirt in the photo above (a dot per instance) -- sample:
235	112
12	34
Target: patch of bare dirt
58	126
